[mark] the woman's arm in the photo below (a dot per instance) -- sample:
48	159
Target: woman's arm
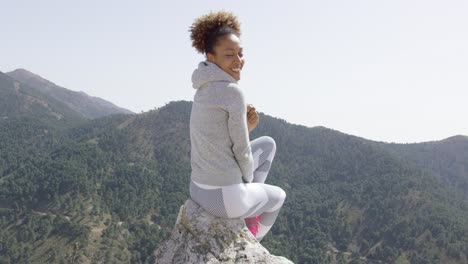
238	131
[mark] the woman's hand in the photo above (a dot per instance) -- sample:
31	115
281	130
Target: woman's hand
252	118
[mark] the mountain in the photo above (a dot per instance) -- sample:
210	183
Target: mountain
109	190
20	101
446	159
88	106
383	207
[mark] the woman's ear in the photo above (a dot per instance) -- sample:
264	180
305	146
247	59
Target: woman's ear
210	57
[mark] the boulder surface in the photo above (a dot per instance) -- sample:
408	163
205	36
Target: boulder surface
200	237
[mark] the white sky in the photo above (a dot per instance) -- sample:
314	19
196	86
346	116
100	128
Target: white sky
394	71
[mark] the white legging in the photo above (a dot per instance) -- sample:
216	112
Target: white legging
246	200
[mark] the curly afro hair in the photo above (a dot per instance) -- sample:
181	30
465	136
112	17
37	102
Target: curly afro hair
207	29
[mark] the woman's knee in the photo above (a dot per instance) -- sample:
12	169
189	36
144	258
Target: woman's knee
268	145
279	198
270	142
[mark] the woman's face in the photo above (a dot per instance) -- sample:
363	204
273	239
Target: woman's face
228	55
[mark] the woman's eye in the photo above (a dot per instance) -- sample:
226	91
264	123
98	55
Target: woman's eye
229	55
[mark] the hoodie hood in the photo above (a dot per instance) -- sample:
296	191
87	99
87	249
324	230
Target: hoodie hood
209	72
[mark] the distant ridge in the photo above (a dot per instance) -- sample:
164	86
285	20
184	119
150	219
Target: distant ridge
456	138
89	106
446	159
20	101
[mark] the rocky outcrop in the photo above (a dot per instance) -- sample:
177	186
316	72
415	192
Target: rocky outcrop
199	237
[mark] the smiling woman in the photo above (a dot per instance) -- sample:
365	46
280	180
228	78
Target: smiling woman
228	170
217	35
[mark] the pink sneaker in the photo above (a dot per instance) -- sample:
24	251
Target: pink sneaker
252	224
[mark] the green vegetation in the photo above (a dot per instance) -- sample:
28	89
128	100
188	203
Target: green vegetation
109	189
446	159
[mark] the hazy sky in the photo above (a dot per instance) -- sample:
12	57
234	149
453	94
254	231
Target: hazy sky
394	71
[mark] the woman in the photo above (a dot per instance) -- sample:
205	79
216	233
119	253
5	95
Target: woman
228	170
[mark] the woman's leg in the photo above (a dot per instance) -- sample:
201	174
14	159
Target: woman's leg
244	200
210	198
268	218
247	200
263	150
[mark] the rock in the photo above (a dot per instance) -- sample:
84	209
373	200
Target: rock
200	237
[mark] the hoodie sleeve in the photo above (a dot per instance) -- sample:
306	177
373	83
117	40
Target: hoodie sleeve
238	131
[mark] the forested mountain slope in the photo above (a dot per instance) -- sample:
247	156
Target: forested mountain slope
447	159
110	189
20	101
87	106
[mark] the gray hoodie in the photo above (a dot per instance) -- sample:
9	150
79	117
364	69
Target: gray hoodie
220	146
